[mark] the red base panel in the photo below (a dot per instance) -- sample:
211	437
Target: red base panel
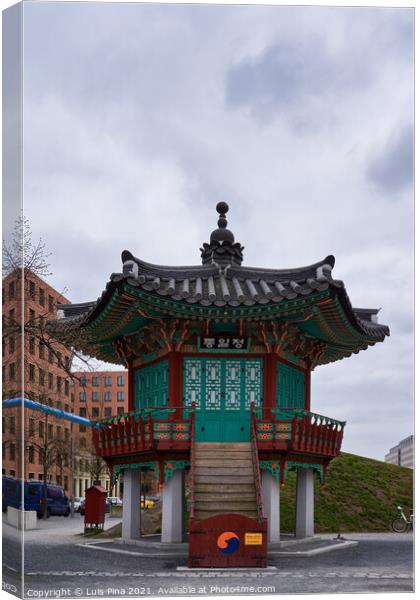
228	540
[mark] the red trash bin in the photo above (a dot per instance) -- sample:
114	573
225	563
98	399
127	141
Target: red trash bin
95	507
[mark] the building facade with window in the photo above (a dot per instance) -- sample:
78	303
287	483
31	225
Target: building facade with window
47	365
402	454
98	395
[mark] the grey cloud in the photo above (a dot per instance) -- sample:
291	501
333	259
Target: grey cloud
392	170
287	76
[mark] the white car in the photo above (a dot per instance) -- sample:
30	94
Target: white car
114	500
77	501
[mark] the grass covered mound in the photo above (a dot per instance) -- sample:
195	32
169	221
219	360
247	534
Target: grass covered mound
361	495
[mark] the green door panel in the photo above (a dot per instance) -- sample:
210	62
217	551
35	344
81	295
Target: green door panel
151	388
223	390
290	388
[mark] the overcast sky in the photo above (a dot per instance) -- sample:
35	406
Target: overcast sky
140	118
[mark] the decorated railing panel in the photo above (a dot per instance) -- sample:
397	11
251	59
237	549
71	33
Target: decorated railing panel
301	431
139	431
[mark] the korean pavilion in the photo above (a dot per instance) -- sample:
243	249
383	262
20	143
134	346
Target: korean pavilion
219	358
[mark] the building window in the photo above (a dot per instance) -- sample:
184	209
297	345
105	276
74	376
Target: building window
50	355
67	434
12	452
42	297
41	429
50	431
32	345
120	410
108	396
12	473
31	289
31	455
12	425
83	381
95	381
108	380
12	344
95	396
59	430
120	380
82	412
31	475
108	411
12	371
31	372
67	363
59	359
31	315
50	381
66	482
50	303
41	377
12	316
58	383
82	396
40	476
95	412
11	290
41	349
120	396
66	387
31	427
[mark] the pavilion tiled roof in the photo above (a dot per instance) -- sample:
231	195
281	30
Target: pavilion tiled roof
221	281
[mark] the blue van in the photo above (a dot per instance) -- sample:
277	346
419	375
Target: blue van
57	501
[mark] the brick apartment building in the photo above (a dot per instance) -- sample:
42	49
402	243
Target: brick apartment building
97	395
46	379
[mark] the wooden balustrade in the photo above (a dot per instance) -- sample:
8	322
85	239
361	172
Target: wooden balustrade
140	432
302	431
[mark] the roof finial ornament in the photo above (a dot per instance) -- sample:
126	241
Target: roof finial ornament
222	249
222	208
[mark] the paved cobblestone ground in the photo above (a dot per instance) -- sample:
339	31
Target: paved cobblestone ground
56	566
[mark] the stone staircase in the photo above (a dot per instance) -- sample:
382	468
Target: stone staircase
224	479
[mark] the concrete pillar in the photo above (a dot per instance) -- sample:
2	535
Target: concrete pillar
173	508
131	515
304	503
271	499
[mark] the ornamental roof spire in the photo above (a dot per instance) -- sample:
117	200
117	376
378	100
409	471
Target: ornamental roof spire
222	250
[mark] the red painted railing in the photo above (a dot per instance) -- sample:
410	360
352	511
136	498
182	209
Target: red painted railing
192	463
256	465
316	434
140	431
300	431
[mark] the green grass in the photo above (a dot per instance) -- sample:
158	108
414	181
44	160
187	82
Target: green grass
361	495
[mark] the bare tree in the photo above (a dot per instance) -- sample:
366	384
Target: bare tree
23	253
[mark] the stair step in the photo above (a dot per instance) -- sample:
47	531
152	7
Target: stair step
232	471
248	479
222	456
222	487
222	462
224	496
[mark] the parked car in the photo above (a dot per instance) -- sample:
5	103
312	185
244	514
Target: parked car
76	503
82	506
57	501
114	500
148	503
